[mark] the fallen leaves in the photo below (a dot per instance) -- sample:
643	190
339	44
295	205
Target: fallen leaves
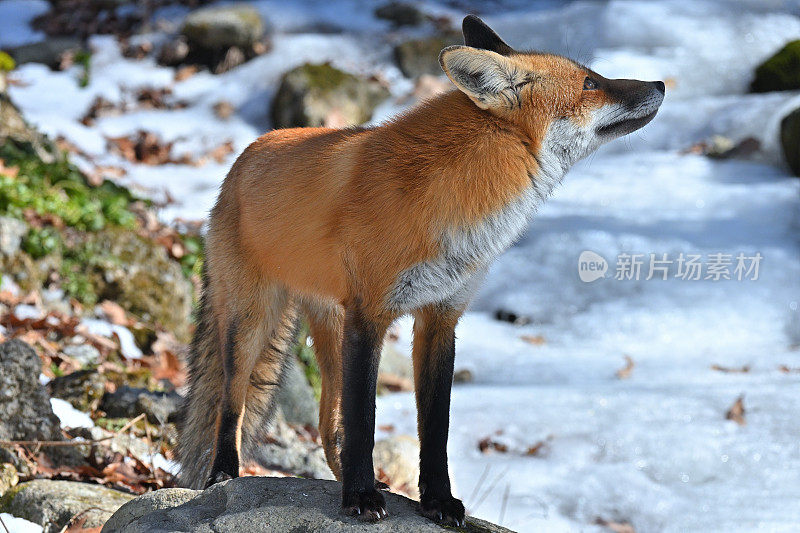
536	340
736	412
147	148
626	371
492	445
615	526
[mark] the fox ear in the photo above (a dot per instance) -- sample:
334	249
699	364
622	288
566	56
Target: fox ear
489	79
478	35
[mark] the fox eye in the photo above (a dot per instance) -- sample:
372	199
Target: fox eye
589	84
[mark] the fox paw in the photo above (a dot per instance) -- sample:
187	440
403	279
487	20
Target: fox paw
217	477
367	505
448	511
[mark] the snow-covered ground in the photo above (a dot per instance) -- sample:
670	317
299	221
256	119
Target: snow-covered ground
654	449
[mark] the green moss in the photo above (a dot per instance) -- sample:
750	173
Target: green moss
84	59
323	76
8	498
305	354
780	72
60	189
7	62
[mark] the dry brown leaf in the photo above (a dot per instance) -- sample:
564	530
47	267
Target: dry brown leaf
536	340
184	73
394	383
115	313
11	172
487	445
626	371
224	109
731	370
786	369
539	447
737	412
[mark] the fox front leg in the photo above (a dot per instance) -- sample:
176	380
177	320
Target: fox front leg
361	348
434	357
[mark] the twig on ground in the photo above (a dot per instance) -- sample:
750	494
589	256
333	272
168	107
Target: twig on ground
503	506
4	525
479	483
491	488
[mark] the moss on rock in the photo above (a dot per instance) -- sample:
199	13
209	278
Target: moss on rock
781	72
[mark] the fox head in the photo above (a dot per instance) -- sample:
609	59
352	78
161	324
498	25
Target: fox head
569	109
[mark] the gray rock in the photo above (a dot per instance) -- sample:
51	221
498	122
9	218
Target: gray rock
12	230
286	452
52	504
50	51
296	397
790	140
421	56
219	28
25	411
268	504
85	354
83	389
129	402
398	458
14	128
8	477
322	95
401	14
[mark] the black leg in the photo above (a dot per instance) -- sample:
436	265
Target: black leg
226	458
434	356
360	357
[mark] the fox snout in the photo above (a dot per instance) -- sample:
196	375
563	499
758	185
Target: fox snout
631	105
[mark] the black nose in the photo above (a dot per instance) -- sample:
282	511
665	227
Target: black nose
660	86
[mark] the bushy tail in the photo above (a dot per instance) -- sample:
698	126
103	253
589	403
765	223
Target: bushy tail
197	423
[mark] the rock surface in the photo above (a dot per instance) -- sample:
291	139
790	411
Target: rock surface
221	27
267	504
421	56
401	14
25	411
129	402
790	140
296	397
781	72
83	389
322	95
52	504
286	452
12	231
397	458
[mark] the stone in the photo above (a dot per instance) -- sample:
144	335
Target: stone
130	402
52	504
220	27
12	231
790	140
25	411
781	72
401	14
296	397
421	56
85	354
49	51
138	274
286	452
396	461
322	95
269	504
8	477
83	389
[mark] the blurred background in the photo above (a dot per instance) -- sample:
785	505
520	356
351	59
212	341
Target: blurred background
655	390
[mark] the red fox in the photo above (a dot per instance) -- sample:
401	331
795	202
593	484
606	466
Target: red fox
352	228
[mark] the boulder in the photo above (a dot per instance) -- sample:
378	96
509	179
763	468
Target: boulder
138	274
322	95
421	56
286	452
296	397
83	389
129	402
790	140
396	461
50	52
14	128
781	72
221	27
268	504
401	14
25	411
52	504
